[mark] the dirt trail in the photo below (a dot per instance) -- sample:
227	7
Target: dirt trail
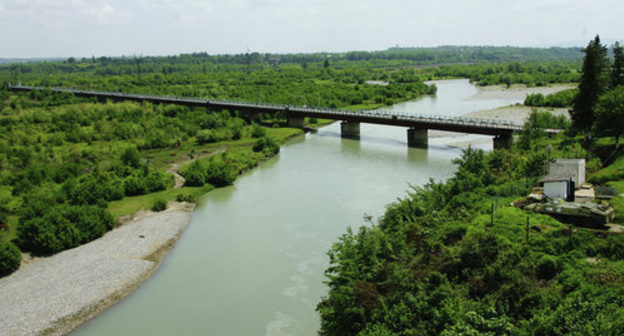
179	179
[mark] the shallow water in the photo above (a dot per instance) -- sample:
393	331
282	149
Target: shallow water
252	260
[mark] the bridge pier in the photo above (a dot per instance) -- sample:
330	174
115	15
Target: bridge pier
503	141
418	137
295	122
350	129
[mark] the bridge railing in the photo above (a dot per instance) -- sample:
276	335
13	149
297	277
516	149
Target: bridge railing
338	113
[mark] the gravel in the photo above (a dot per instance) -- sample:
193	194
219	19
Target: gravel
53	295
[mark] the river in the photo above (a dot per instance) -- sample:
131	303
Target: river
252	259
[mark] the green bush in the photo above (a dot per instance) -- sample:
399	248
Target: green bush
266	145
159	205
547	267
257	131
10	258
185	198
220	174
63	226
131	157
194	175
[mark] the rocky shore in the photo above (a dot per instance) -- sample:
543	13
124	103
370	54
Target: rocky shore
53	295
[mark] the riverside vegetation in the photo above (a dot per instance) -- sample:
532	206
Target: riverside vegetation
452	258
435	264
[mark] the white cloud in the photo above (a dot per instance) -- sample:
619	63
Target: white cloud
114	27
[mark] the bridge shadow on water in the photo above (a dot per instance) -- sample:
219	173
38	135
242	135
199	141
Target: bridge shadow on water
389	142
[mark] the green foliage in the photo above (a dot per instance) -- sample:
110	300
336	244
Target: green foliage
610	114
617	70
547	267
593	83
62	227
91	188
257	131
10	258
159	205
216	172
266	145
535	124
563	98
445	261
220	174
185	198
131	157
144	181
194	175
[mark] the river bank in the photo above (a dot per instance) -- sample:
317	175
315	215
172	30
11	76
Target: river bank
52	296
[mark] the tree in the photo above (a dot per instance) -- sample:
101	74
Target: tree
10	258
326	64
617	71
592	85
131	157
610	114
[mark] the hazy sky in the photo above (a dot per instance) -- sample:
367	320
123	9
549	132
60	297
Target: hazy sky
82	28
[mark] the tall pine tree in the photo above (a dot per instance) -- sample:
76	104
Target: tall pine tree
617	71
594	80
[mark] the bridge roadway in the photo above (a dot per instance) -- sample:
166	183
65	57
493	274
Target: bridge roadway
418	124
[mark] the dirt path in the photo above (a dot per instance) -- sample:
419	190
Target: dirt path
179	179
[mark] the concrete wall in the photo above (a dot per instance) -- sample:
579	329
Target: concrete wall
558	189
574	168
417	137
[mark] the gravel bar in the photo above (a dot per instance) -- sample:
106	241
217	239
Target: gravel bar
53	295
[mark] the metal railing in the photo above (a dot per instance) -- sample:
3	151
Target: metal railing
330	113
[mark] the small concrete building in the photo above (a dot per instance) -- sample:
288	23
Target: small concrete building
557	186
574	168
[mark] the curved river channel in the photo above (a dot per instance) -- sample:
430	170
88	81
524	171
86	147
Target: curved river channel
251	261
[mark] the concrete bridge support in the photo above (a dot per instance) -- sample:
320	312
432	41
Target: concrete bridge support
350	129
296	122
503	141
417	137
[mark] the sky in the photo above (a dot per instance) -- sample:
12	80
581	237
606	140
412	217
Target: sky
85	28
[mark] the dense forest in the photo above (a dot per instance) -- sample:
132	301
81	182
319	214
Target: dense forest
450	258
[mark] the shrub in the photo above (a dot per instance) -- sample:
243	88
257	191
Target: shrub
257	131
266	145
220	174
206	136
131	157
159	205
61	227
10	258
185	198
194	175
547	267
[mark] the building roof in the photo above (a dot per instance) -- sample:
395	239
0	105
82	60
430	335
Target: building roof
569	160
557	178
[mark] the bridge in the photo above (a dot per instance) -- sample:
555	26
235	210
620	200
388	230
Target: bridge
417	124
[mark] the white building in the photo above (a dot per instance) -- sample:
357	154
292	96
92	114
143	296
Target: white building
574	168
557	186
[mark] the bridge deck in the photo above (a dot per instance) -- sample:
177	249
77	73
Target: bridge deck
495	127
